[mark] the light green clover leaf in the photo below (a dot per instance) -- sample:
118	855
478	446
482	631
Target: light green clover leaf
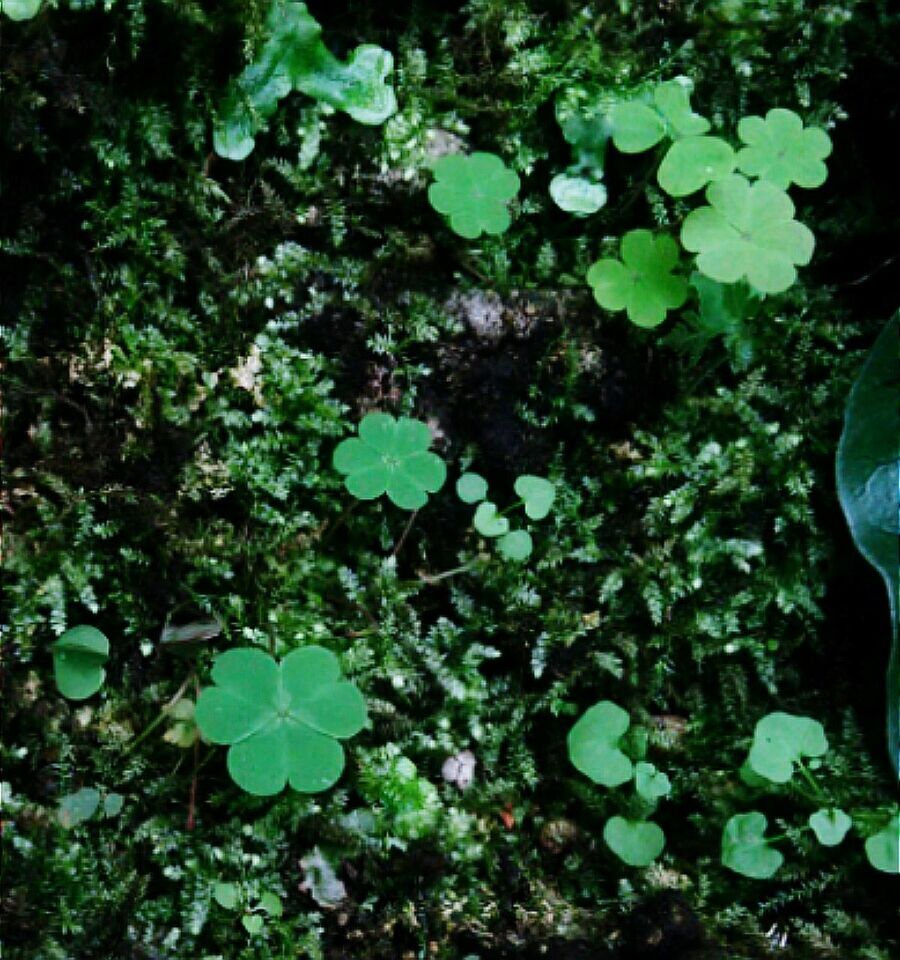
780	150
488	522
635	842
516	545
78	658
226	895
271	904
471	488
673	100
576	194
693	162
745	848
643	285
281	720
390	456
75	808
780	740
650	783
830	826
113	804
748	231
537	493
593	744
20	9
474	192
883	848
253	923
636	127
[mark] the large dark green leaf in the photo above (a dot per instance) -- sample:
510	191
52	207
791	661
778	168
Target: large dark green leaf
868	477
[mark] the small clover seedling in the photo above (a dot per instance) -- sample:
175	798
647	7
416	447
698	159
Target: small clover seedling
830	826
474	192
780	150
391	456
78	658
75	808
282	720
745	848
650	783
748	231
230	896
183	732
635	842
643	285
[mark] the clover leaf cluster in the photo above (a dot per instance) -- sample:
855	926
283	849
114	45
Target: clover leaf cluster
597	748
294	57
536	497
785	745
474	193
254	909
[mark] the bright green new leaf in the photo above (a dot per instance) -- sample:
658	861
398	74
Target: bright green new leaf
516	545
636	842
830	826
745	848
748	232
577	195
883	848
643	285
78	658
391	456
693	162
474	192
636	127
650	783
20	9
673	100
294	58
594	744
226	895
281	720
537	493
868	480
471	488
488	522
75	808
780	740
253	923
779	149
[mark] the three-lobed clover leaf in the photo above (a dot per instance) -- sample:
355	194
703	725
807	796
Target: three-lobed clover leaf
282	721
650	783
748	231
642	283
635	842
780	740
638	126
78	658
782	151
474	192
390	456
593	744
537	495
745	848
693	162
830	826
883	848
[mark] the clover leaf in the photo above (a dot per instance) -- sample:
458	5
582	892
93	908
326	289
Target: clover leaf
673	100
293	57
474	193
537	493
780	150
390	456
226	895
593	744
883	848
75	808
692	163
650	783
745	848
78	658
516	545
830	826
643	285
20	9
636	127
488	522
636	842
577	195
281	720
471	488
780	740
579	189
748	231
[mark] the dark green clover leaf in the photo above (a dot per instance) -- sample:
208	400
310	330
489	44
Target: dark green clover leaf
650	783
883	848
537	493
673	100
779	149
635	842
488	522
516	545
391	456
75	808
830	826
780	740
471	488
282	721
868	479
748	231
78	658
594	744
692	163
643	285
745	848
474	192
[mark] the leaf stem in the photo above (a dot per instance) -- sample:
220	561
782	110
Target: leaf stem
161	716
